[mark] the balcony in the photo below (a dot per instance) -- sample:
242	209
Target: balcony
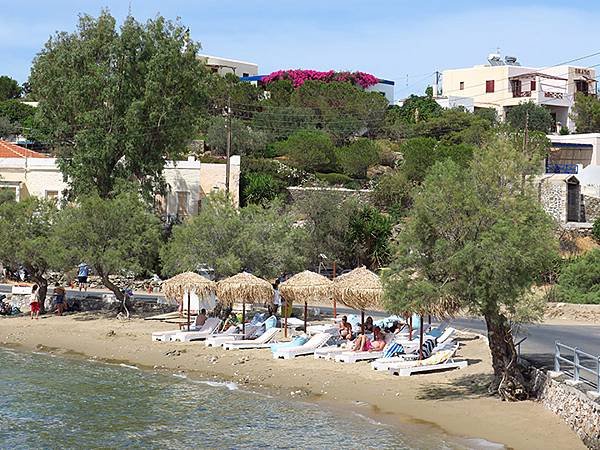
521	94
561	168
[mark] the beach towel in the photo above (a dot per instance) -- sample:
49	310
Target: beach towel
271	322
393	349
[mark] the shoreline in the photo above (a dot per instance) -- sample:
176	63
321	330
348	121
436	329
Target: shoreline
449	403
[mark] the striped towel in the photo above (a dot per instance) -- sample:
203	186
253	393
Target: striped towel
393	349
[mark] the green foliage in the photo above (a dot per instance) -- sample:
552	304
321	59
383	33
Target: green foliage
25	228
6	195
282	122
416	109
335	179
579	281
259	239
118	103
488	114
455	126
244	140
392	193
477	238
113	236
356	158
586	113
259	188
537	117
312	151
369	237
9	88
17	111
596	230
7	128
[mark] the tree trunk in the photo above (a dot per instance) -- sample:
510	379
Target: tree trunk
43	290
508	382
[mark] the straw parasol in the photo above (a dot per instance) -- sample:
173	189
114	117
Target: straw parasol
304	287
242	287
188	282
359	289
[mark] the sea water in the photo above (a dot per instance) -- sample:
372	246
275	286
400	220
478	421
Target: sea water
54	402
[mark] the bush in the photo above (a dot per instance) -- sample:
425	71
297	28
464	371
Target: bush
596	230
335	179
312	151
580	279
392	193
356	158
259	188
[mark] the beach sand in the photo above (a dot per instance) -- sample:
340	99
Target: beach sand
453	402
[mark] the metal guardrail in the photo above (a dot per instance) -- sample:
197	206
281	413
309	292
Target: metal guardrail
518	345
576	365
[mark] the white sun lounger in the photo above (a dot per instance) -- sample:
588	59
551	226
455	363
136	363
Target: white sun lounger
352	356
308	348
315	329
207	329
387	363
263	341
166	336
218	339
448	365
329	352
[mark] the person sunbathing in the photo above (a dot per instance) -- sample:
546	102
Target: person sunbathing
364	344
345	329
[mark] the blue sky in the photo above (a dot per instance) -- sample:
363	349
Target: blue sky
391	39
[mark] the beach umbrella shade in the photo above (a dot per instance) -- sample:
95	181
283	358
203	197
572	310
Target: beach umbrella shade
244	287
305	287
186	284
359	289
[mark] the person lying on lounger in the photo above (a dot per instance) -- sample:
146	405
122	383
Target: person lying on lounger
364	344
345	329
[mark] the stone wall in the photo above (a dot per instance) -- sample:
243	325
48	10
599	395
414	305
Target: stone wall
553	197
577	405
300	193
591	208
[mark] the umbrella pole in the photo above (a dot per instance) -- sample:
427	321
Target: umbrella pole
188	311
362	321
410	328
244	319
334	302
305	314
421	340
285	316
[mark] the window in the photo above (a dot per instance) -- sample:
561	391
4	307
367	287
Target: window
489	86
182	203
51	195
461	85
245	74
581	86
532	86
516	87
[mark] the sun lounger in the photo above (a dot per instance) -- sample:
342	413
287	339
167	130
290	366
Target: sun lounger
217	339
442	360
211	325
411	355
315	329
295	342
329	352
352	356
318	340
263	341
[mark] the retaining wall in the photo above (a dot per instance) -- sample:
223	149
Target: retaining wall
575	404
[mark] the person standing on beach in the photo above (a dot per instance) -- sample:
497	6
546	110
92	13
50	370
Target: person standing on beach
34	302
82	276
59	298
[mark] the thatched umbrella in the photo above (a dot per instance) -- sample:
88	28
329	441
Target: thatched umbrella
186	283
304	287
359	289
241	287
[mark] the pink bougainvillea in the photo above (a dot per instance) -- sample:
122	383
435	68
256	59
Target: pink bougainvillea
299	76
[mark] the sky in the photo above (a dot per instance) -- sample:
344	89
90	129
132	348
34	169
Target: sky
400	40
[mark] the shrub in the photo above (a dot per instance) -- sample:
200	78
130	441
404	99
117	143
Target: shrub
579	281
259	188
309	150
596	230
356	158
335	179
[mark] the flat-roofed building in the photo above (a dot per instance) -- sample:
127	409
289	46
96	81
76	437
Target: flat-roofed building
223	66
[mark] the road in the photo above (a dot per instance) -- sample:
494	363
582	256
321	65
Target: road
539	346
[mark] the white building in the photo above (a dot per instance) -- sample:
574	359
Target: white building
29	173
223	66
501	84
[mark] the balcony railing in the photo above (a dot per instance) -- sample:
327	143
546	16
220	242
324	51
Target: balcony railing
561	168
556	95
522	94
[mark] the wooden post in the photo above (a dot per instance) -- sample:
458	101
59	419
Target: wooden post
285	316
429	319
244	319
305	314
334	302
410	328
188	312
362	321
421	340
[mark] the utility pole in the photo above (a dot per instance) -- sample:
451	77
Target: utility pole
228	151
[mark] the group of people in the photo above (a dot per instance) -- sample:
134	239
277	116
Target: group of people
59	300
370	339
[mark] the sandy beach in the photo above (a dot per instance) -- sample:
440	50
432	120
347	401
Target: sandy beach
455	402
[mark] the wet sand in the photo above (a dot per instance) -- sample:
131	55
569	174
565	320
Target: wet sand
455	402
